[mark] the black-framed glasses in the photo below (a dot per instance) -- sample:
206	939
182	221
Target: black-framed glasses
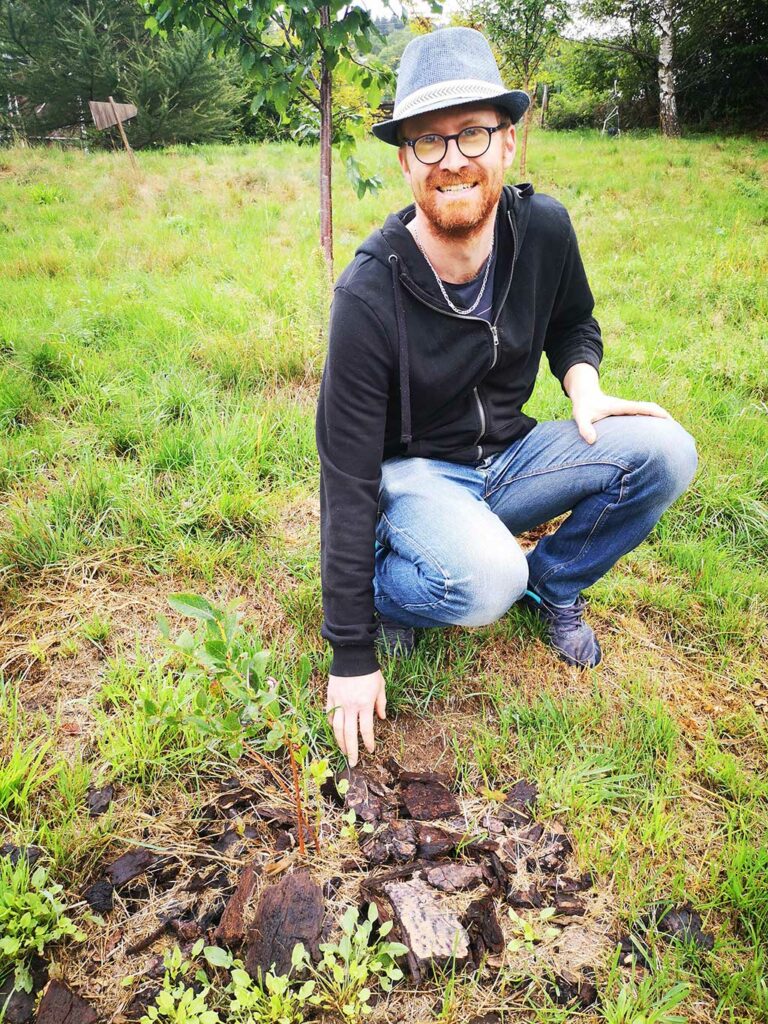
472	141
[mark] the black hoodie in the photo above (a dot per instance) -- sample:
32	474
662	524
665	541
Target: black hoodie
405	375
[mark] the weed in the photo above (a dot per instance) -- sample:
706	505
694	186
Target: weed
177	1002
32	917
348	968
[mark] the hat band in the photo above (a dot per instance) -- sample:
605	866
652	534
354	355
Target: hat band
462	90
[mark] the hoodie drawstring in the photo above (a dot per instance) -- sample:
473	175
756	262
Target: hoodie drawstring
402	350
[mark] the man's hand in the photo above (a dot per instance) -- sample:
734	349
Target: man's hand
590	404
350	701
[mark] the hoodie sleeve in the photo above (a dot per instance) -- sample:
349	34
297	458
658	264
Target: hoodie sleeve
349	429
573	334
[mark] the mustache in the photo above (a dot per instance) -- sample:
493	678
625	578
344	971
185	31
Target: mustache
466	180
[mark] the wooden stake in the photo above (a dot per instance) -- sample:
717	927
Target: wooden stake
124	137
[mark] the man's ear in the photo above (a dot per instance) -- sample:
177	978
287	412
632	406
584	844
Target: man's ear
510	146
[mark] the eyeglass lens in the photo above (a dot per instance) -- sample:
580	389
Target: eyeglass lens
474	141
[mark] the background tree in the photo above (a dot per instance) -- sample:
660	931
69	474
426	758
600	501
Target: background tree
523	32
60	54
651	27
292	50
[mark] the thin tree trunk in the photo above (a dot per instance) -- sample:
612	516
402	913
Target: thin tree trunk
524	143
544	104
667	100
326	123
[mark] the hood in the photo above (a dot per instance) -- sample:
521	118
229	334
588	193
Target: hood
395	248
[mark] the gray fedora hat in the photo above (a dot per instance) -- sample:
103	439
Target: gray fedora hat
445	68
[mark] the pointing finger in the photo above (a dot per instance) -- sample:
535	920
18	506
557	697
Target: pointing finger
338	728
366	728
350	737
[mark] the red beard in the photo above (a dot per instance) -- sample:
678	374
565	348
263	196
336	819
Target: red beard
460	216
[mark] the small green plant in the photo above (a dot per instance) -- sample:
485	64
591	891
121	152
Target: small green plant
644	1004
349	967
178	1002
235	703
32	917
269	999
529	934
96	629
22	775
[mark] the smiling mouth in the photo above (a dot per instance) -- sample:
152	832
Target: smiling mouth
458	189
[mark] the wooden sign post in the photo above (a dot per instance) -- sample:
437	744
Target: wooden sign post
107	115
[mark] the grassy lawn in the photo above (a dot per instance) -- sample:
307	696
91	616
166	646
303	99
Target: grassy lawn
161	343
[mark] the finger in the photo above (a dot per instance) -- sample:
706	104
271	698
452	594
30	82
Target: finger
586	429
381	703
639	409
366	728
338	728
350	737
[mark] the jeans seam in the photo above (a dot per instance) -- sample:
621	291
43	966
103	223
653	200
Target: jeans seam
430	558
587	543
557	469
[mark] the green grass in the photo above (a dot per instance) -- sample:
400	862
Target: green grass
161	343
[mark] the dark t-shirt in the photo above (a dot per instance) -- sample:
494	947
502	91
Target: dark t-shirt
463	295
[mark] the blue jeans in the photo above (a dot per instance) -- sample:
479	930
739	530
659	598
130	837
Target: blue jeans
445	537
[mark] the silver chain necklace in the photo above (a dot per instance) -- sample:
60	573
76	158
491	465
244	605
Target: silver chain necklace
455	308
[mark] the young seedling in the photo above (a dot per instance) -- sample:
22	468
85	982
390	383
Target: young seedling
348	968
236	702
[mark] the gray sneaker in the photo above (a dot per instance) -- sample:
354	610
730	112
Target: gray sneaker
569	635
397	641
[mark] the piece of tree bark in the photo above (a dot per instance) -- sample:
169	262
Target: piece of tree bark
290	911
525	899
569	905
231	929
59	1005
20	1006
99	800
550	857
99	896
396	841
452	877
428	800
434	936
130	865
483	928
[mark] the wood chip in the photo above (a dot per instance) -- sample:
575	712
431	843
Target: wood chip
452	877
483	928
433	935
60	1005
290	911
395	841
99	896
98	800
131	865
428	800
231	929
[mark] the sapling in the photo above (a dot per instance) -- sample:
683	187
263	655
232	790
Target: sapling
237	703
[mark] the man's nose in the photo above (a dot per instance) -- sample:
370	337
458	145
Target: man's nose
454	159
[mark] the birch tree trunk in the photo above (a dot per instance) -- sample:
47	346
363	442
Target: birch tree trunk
667	101
326	124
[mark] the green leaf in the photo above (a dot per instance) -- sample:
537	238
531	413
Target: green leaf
194	605
217	957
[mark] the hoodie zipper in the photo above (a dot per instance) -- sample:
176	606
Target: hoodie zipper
493	328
